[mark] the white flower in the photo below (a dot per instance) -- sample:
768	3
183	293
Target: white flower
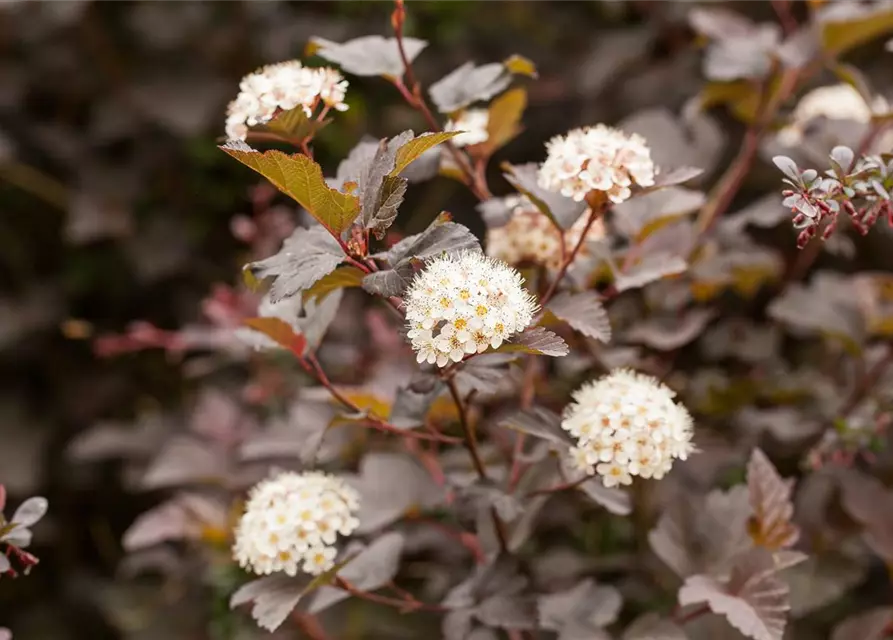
627	424
596	159
292	522
529	236
834	102
282	87
463	304
474	123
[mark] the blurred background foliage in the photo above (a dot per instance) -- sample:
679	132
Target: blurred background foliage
115	205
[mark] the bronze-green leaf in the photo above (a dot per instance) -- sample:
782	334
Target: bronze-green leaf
341	278
417	146
279	332
295	124
521	66
300	178
505	118
852	25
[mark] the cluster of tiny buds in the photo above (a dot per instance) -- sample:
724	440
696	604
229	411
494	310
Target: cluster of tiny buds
627	424
596	158
282	87
529	236
463	304
292	522
858	437
827	211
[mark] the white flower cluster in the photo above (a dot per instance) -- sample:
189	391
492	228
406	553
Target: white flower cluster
596	159
474	123
627	424
292	521
283	86
463	304
529	236
834	102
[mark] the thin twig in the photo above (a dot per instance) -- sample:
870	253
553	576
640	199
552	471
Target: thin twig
312	366
594	213
402	605
470	441
411	90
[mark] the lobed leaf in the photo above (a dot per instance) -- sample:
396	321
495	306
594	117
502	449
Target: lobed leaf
305	257
413	401
467	84
439	238
668	334
584	312
343	277
770	499
273	598
538	341
300	178
368	55
295	124
541	423
562	211
370	569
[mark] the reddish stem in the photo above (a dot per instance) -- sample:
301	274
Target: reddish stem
470	441
402	605
594	214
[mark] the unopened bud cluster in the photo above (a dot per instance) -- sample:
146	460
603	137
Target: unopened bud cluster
860	191
292	522
859	436
596	159
464	304
282	87
627	424
529	236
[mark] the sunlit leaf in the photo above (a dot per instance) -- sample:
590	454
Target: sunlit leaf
504	121
413	149
280	332
300	178
770	498
368	55
343	277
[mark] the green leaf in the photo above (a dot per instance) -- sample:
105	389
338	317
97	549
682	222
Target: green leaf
504	121
280	332
521	66
300	178
341	278
295	124
850	25
538	341
417	146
